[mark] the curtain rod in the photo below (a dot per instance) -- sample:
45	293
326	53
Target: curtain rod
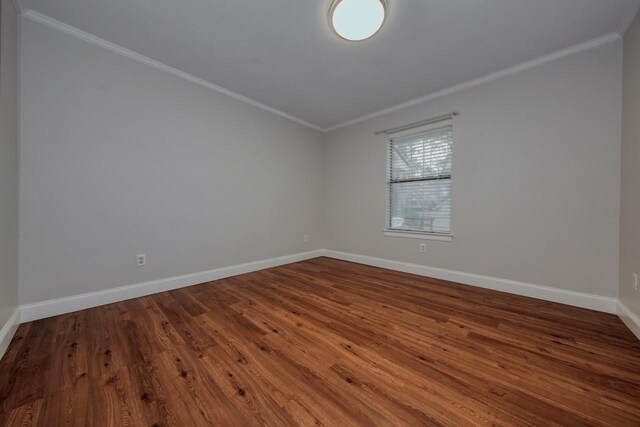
417	124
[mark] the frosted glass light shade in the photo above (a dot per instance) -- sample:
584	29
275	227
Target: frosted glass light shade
357	20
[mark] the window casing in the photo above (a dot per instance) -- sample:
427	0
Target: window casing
419	181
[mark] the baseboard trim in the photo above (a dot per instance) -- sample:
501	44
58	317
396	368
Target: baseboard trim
9	330
577	299
54	307
629	318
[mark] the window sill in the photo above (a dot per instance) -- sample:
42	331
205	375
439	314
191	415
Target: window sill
419	235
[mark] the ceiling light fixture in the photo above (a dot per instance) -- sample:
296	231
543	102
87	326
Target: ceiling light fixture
357	20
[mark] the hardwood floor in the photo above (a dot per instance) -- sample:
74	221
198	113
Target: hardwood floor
324	342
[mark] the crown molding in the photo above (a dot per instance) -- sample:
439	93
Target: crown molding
608	38
34	16
19	5
629	17
95	40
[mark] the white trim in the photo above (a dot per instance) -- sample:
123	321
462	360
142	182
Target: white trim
54	307
629	17
18	4
82	35
577	299
40	310
629	318
415	234
9	330
608	38
418	235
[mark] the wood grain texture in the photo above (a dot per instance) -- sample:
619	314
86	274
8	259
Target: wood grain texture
323	342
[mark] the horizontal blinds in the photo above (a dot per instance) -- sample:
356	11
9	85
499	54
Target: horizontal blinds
420	181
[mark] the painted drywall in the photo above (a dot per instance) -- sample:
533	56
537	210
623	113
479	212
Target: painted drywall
536	179
119	159
630	195
282	52
9	161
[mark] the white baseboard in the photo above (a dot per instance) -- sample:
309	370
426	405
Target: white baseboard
8	331
578	299
629	318
54	307
40	310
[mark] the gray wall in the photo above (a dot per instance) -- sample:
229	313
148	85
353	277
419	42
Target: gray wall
536	185
9	161
630	200
120	159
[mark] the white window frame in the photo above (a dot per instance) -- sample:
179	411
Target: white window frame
417	234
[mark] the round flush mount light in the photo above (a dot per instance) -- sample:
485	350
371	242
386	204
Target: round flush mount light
356	20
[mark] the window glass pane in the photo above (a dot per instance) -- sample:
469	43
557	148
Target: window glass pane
420	181
422	156
421	205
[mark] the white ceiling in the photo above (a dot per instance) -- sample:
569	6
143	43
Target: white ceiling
282	54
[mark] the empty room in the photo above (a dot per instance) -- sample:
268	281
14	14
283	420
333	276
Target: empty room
320	212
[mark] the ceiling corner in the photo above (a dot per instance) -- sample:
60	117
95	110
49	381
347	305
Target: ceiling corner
629	17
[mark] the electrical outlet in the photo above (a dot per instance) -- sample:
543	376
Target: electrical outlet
306	238
141	260
423	247
635	281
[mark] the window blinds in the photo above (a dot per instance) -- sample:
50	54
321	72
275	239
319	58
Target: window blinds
420	181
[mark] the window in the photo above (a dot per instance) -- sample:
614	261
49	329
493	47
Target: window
419	184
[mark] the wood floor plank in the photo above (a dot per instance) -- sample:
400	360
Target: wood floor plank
27	415
324	342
